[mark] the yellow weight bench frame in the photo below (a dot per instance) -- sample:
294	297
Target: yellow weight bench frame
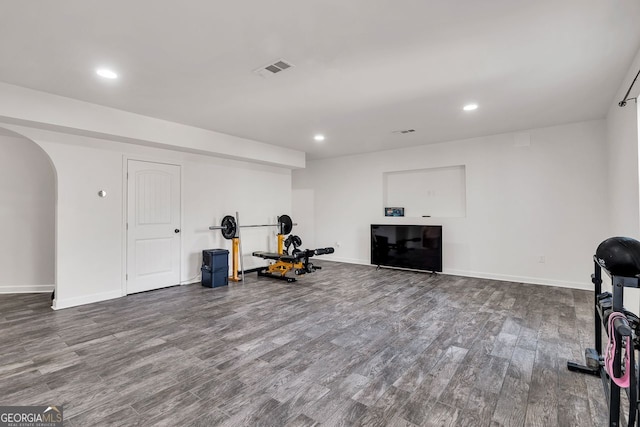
284	263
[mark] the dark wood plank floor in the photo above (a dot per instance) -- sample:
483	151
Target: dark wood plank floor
347	345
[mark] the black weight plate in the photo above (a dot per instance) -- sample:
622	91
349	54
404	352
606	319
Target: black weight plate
297	241
285	223
228	227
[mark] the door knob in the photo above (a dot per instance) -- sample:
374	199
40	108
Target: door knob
177	230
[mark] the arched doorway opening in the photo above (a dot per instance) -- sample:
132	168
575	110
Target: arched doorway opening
28	214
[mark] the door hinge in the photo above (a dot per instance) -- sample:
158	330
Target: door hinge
126	277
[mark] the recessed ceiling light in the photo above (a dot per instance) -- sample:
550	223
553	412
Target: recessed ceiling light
319	138
470	107
106	73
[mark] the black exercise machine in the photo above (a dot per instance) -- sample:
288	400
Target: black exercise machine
619	258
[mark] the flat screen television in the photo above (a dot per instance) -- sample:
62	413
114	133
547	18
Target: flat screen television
417	247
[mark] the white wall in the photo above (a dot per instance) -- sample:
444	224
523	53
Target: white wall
523	202
90	237
303	213
27	215
622	152
443	191
22	106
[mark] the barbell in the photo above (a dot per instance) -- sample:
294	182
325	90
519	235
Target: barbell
229	227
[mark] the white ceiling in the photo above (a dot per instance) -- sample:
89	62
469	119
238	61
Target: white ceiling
363	68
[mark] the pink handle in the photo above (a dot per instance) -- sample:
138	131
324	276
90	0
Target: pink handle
624	380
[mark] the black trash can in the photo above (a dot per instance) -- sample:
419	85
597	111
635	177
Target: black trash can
215	268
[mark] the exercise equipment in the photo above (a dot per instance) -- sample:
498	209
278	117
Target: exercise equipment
619	258
284	263
230	229
292	240
230	225
238	251
621	379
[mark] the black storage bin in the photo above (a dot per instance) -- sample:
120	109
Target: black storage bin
215	259
214	279
215	268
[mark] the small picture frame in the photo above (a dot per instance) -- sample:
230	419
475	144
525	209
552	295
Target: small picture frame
393	211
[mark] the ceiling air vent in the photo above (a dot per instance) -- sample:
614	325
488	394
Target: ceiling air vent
274	68
403	131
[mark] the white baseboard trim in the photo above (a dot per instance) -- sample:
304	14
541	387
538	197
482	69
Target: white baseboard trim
586	285
28	289
86	299
345	260
104	296
523	279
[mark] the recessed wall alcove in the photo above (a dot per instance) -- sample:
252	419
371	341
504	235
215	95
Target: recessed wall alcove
431	192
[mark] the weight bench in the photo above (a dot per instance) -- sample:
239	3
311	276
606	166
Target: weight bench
284	263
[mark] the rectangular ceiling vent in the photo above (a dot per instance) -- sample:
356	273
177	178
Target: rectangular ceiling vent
274	68
403	131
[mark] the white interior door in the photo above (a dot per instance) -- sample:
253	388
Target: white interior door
153	226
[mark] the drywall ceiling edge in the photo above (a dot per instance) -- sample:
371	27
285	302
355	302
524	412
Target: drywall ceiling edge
28	107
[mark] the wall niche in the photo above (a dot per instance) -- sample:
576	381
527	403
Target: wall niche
432	192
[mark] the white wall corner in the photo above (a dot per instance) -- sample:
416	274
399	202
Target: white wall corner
59	304
622	157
